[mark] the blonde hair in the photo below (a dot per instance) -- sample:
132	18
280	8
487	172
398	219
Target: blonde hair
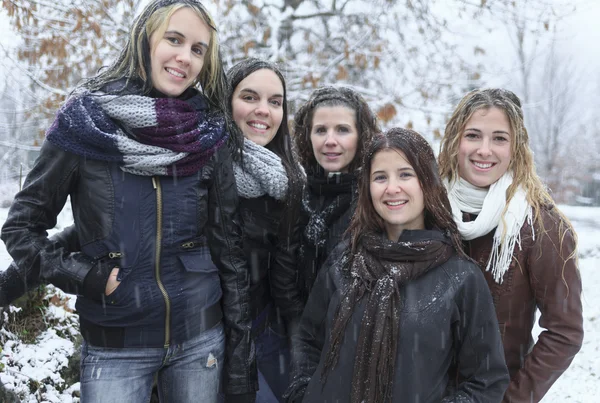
133	62
521	163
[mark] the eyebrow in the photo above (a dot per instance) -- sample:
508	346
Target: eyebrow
205	45
250	90
479	131
399	170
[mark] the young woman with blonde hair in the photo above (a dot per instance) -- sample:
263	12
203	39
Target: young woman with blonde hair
511	227
144	152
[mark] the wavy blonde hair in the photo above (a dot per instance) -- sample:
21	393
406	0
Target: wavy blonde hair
521	163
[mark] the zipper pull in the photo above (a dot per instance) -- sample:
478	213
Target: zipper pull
188	245
154	185
115	255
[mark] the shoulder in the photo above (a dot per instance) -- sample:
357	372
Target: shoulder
461	271
552	226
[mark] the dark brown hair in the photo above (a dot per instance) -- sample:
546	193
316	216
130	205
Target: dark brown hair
366	123
281	144
418	152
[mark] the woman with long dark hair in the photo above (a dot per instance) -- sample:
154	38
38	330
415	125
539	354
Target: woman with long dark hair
399	313
270	183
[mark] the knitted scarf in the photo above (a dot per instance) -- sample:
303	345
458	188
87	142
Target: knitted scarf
262	173
336	192
378	271
489	204
147	136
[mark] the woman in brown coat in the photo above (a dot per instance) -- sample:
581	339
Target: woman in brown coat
512	228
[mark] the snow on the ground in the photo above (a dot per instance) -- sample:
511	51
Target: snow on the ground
579	384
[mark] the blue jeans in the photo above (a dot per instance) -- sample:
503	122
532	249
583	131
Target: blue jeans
273	360
186	373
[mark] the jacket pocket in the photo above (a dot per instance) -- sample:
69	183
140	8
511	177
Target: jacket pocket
119	294
201	283
198	261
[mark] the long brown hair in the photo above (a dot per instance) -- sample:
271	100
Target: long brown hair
438	213
281	144
366	123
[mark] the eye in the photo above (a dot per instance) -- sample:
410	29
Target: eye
379	178
173	40
276	102
198	50
406	175
471	135
343	129
319	130
248	98
501	139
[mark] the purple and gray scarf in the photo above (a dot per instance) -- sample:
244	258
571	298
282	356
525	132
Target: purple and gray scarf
148	136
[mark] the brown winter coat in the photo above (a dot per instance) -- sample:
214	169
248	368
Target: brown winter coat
538	277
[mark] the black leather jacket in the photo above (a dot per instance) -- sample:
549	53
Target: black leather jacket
448	330
272	256
104	211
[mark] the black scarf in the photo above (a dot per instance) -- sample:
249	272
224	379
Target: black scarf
378	270
329	197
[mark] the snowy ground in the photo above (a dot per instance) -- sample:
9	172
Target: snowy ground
580	384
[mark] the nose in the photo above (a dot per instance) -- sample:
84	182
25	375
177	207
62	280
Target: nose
485	150
331	139
262	109
394	187
183	56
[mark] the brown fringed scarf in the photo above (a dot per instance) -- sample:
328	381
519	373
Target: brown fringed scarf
380	268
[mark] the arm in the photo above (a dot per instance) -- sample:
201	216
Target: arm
34	211
556	282
309	340
223	232
16	281
479	353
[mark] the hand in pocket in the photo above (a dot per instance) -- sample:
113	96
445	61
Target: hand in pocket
112	283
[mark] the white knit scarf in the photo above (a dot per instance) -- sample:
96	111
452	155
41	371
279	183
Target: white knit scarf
489	204
263	173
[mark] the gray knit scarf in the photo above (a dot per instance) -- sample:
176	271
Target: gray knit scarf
262	173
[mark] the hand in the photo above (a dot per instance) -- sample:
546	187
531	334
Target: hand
112	283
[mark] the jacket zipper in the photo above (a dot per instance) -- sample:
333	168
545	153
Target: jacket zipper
156	184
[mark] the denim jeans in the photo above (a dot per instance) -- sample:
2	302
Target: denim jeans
273	360
186	373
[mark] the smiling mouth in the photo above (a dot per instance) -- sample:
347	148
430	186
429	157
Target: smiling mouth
259	126
175	73
395	203
482	165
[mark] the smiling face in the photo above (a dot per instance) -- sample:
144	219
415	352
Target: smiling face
178	56
484	151
396	193
334	137
257	105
